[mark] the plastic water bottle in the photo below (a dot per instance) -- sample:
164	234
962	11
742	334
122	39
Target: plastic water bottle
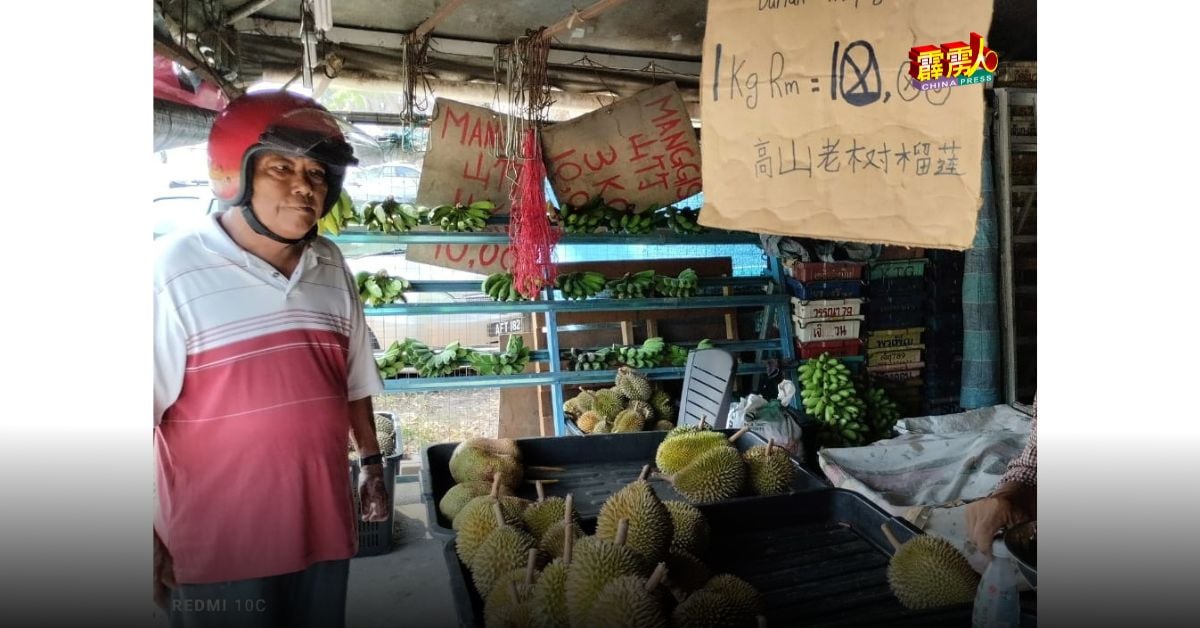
996	602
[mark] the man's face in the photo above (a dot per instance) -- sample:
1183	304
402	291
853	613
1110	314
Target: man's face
288	193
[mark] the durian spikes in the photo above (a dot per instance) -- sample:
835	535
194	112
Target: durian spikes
568	538
660	572
738	434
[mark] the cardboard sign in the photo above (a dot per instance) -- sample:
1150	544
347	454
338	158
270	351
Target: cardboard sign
462	166
813	127
636	152
473	258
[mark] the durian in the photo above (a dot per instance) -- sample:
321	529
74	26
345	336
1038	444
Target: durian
632	385
587	421
630	602
459	494
770	470
629	420
548	605
595	562
664	406
507	606
686	574
482	458
663	425
642	408
505	549
580	403
608	403
476	520
543	513
737	592
676	453
691	531
928	572
718	474
650	528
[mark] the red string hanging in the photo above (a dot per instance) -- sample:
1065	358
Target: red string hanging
529	230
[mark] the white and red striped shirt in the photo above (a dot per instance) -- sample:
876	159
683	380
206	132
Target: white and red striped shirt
253	374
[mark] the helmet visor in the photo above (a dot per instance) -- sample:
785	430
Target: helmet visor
321	136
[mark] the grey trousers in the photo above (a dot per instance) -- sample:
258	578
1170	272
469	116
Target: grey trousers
312	598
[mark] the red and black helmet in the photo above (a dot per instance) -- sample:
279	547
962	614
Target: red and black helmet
278	121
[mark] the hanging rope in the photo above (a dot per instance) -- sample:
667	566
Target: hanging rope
528	96
414	60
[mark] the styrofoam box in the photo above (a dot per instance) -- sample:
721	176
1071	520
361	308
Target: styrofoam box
833	329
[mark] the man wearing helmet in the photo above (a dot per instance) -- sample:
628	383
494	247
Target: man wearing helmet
262	365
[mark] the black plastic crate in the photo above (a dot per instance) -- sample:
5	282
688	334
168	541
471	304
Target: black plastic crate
594	467
895	320
895	285
819	558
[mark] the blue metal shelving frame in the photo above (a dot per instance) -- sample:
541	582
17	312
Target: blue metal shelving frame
774	300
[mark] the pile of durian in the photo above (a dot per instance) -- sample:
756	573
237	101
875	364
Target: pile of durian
482	466
633	404
534	566
705	467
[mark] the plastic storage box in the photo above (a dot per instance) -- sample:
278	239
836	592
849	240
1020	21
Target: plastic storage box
594	467
819	558
375	538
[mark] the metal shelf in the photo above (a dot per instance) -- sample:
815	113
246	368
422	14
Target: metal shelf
776	308
561	378
359	235
587	305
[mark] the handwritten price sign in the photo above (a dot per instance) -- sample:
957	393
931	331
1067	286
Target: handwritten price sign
637	152
462	166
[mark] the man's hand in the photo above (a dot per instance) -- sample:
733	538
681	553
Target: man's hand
164	573
1009	505
372	493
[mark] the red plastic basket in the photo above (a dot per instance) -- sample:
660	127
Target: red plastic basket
825	271
836	348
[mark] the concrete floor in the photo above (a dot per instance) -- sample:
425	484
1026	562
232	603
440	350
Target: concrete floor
408	587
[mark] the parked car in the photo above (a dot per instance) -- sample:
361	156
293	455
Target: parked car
182	204
376	183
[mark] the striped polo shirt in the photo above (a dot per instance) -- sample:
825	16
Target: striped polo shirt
253	373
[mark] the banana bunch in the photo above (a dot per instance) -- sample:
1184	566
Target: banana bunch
583	219
508	362
389	216
444	362
461	217
400	355
380	289
646	356
633	285
633	224
500	287
591	360
341	215
882	413
830	397
683	220
682	286
581	285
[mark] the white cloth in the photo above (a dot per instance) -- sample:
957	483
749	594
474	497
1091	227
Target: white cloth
935	466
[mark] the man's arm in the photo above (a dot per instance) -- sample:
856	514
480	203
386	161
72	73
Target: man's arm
1014	501
362	427
372	485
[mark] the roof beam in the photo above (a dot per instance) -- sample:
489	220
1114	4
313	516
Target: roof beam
248	9
395	40
428	25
